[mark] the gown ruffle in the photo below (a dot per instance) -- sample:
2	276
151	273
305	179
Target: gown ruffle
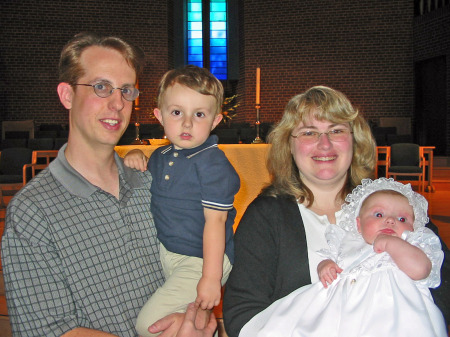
370	298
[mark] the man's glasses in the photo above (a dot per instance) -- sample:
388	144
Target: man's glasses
312	137
104	89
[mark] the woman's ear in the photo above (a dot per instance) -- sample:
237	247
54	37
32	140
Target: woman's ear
158	115
65	93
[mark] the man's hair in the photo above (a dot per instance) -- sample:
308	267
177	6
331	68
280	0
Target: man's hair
195	78
324	104
70	69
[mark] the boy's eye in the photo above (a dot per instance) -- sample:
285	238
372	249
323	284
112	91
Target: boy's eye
176	112
199	114
402	219
378	215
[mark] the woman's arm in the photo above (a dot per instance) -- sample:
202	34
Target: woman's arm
271	260
441	294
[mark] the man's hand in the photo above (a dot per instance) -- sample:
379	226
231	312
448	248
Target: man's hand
136	159
194	323
328	270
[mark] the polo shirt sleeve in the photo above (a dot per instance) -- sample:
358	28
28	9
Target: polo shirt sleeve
34	279
219	181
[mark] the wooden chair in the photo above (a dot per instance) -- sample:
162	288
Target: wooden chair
405	160
12	170
39	161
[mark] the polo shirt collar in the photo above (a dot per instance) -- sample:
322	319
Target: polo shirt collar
210	142
76	184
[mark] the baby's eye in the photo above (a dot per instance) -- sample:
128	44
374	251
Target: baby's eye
402	219
176	112
199	114
378	214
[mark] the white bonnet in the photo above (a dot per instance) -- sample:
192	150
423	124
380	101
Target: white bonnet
350	211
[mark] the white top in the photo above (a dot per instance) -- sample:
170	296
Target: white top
315	226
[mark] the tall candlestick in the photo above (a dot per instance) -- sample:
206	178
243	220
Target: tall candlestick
136	101
258	78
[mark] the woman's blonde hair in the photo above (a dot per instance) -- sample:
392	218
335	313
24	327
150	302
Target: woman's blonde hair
324	104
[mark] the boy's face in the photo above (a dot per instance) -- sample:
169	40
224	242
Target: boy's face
187	116
385	214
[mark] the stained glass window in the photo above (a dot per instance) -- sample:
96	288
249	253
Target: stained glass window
216	56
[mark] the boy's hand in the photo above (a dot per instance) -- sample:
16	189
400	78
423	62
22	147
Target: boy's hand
208	293
136	159
328	270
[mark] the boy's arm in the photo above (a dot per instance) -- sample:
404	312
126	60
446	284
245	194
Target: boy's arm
209	286
136	159
410	259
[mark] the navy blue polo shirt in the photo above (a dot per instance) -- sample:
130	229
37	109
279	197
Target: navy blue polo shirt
184	182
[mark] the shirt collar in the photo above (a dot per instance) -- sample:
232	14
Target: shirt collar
211	142
76	184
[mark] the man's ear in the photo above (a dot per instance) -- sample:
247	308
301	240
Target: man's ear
217	120
65	93
158	115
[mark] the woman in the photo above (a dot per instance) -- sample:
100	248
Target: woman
321	149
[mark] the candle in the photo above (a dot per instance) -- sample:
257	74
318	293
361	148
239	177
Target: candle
136	101
258	77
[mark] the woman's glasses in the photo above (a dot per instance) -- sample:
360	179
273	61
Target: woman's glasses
312	137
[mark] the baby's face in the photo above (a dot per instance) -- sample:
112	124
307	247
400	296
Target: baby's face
385	214
187	116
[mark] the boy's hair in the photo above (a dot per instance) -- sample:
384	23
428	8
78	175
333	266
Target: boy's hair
195	78
385	192
70	69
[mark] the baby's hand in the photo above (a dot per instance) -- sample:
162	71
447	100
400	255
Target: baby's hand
136	159
208	293
381	241
328	270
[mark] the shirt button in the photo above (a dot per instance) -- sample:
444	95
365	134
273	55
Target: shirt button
167	177
170	163
175	154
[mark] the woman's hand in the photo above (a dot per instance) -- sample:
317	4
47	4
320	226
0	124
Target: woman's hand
328	270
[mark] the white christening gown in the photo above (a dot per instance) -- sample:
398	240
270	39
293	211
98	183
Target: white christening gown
370	298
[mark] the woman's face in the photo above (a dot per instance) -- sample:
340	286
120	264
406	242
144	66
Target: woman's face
323	162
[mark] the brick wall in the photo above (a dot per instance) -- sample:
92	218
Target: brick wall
363	48
34	32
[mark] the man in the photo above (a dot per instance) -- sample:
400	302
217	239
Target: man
79	251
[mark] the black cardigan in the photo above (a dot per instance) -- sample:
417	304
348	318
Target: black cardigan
271	261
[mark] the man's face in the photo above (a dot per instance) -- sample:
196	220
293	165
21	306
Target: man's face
95	120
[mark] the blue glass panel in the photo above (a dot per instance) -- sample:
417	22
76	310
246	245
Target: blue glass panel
218	34
218	26
194	7
196	57
198	64
218	50
195	50
218	6
218	42
195	26
195	34
218	16
218	57
219	64
195	16
195	42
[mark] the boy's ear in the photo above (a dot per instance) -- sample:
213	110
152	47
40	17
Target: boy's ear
216	121
358	224
65	93
158	115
